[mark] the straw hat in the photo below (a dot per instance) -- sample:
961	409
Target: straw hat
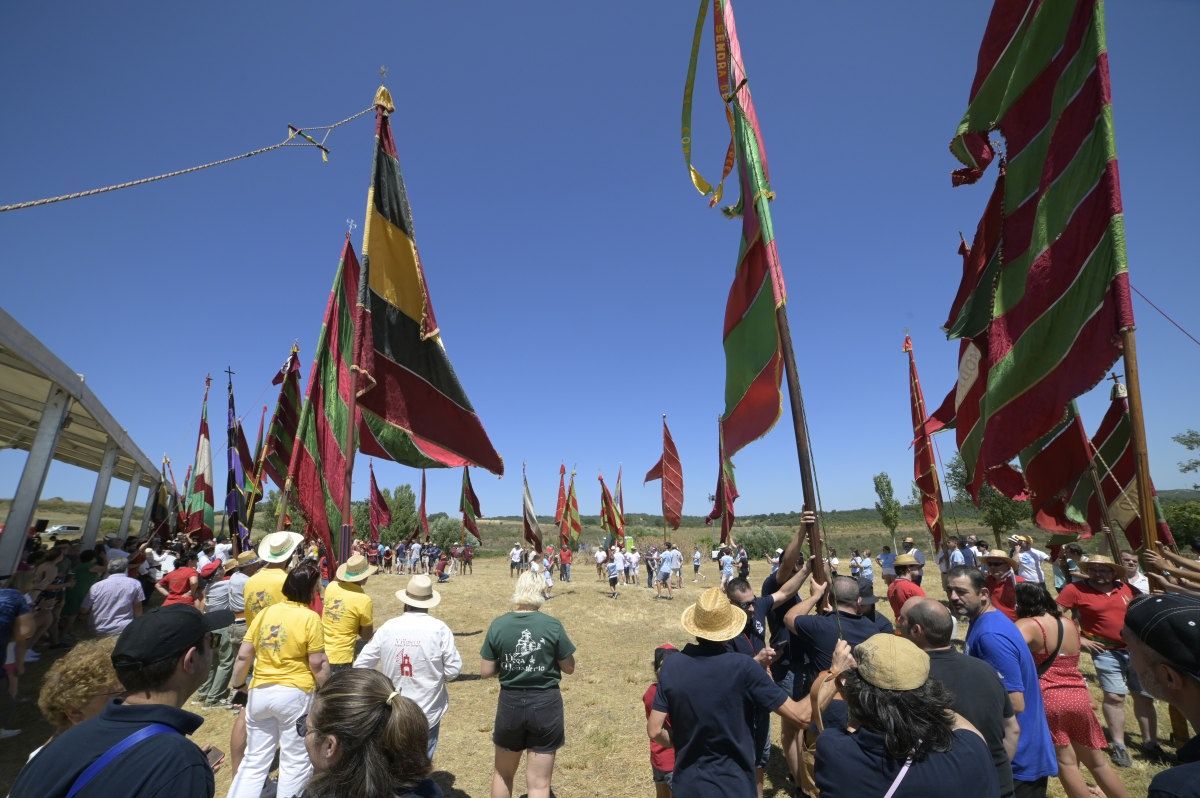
1097	559
712	617
908	540
905	559
891	663
278	546
1020	539
243	560
419	593
355	569
997	554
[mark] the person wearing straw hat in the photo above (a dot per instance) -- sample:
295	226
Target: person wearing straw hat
904	585
1001	577
417	653
348	613
266	587
904	740
710	694
910	548
1098	604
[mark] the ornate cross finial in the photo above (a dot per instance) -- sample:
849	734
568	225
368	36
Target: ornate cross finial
350	226
382	72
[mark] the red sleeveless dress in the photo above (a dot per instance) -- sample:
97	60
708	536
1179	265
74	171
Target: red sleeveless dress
1067	701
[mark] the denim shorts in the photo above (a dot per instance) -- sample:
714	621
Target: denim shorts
761	731
529	720
661	776
1114	674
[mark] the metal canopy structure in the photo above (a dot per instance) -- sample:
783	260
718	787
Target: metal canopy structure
28	370
47	410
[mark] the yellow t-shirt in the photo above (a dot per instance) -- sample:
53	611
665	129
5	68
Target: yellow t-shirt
283	635
262	590
347	609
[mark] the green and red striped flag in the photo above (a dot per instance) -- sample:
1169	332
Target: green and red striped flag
1112	447
199	504
318	464
281	434
532	530
561	507
670	472
413	409
380	513
610	517
468	503
753	357
1053	467
1061	295
924	467
572	526
725	494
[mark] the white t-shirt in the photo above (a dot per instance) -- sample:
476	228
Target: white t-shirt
1031	565
632	558
414	551
695	558
417	652
619	560
600	556
515	554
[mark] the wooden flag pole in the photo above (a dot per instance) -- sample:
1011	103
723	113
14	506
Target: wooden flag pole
1109	534
662	483
1137	426
803	449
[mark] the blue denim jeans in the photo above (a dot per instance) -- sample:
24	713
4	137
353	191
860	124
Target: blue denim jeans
434	731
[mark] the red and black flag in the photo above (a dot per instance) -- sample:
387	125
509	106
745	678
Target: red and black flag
381	514
924	466
533	531
669	470
415	412
726	493
468	503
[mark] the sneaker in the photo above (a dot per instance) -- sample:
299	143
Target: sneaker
32	656
6	733
1155	754
1120	756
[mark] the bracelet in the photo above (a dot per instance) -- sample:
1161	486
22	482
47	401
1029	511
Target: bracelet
241	686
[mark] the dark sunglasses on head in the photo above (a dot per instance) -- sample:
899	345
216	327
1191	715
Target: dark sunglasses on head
302	725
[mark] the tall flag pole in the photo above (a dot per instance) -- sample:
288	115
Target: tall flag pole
610	516
178	517
924	466
422	516
318	467
533	532
253	489
669	470
561	507
381	514
468	503
572	526
235	479
414	411
619	498
726	493
200	512
1061	314
757	337
187	490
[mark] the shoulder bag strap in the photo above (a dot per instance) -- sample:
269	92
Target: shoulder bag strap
899	778
1045	666
106	759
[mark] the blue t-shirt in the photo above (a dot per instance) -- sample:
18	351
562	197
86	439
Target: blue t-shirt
727	564
612	569
885	560
13	604
712	697
857	764
996	640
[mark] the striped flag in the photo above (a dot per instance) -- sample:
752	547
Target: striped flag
416	412
725	495
561	507
1053	467
1061	294
669	470
422	516
753	358
281	434
610	516
238	461
924	467
533	532
468	503
318	464
572	527
199	505
1112	446
381	514
619	498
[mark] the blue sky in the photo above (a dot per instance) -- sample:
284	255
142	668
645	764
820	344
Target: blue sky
579	280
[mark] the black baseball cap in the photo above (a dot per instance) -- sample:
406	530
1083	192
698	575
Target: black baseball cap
866	592
165	633
1169	624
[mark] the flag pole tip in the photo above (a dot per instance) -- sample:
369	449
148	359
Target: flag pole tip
383	99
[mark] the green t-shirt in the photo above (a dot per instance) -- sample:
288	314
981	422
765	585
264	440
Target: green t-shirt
527	647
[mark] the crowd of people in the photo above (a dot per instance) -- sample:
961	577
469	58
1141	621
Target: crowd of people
868	706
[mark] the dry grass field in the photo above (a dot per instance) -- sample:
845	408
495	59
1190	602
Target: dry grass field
606	752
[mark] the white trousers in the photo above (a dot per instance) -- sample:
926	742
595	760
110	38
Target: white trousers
271	715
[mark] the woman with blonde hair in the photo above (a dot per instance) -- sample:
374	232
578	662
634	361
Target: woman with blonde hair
78	685
366	740
528	651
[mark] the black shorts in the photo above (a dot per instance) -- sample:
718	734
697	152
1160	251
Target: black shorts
529	720
612	581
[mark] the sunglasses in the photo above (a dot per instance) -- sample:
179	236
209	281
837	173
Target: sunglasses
302	725
747	605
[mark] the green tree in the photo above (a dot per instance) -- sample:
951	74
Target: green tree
1184	519
888	507
996	510
1189	440
403	503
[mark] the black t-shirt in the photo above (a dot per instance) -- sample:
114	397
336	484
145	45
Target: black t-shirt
780	640
815	636
163	766
981	699
712	696
857	764
1182	781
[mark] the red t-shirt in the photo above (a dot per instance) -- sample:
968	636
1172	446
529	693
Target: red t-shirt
178	589
1004	595
661	757
1101	615
564	556
900	591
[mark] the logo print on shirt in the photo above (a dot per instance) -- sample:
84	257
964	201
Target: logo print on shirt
333	610
405	665
521	659
276	637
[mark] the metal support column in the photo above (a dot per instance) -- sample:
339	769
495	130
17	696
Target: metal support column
130	498
92	527
145	528
33	478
